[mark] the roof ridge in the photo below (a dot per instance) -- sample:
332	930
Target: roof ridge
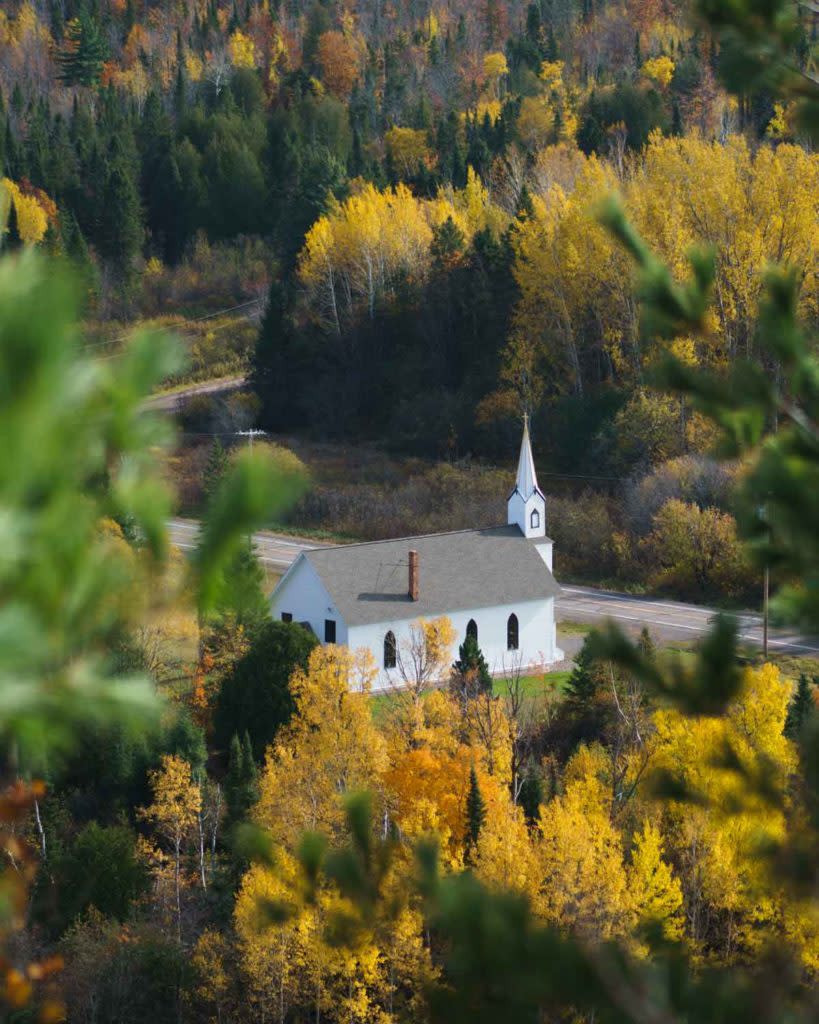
415	536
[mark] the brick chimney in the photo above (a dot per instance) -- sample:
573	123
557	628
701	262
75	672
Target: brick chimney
413	576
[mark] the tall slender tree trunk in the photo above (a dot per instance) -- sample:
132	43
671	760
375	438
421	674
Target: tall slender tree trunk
177	851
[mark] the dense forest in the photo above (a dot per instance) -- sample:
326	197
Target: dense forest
416	186
391	217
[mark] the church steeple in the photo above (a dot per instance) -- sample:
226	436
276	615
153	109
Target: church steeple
526	507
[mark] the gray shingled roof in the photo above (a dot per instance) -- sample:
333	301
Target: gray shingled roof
457	571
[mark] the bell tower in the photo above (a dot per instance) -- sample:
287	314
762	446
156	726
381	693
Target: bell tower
526	507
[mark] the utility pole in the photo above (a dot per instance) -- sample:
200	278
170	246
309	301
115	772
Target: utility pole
766	586
250	434
762	512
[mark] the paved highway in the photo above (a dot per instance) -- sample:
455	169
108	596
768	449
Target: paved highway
668	621
172	400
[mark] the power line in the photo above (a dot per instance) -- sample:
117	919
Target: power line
179	323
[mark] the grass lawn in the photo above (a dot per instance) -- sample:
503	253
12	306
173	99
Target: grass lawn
533	686
569	628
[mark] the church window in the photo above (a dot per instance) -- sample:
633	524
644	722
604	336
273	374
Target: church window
329	631
512	632
534	519
472	629
389	650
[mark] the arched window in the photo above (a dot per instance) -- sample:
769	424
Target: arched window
534	519
472	629
512	632
389	650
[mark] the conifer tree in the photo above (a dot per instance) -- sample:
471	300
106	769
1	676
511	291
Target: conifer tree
470	672
83	54
121	232
583	682
214	468
12	240
241	783
801	708
475	813
242	596
448	243
531	796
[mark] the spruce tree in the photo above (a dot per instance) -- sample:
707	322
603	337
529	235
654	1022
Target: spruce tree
242	598
214	468
83	54
120	232
241	782
12	239
475	813
471	674
448	243
646	644
583	683
801	708
531	796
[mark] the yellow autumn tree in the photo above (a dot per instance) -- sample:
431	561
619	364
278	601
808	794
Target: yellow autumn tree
655	890
506	857
754	207
174	813
659	70
582	884
32	212
571	276
407	149
330	748
495	69
242	50
357	251
732	905
291	964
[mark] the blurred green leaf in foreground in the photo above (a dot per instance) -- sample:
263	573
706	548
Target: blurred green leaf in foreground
83	512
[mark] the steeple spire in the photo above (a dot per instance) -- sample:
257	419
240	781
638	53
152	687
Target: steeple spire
526	482
526	507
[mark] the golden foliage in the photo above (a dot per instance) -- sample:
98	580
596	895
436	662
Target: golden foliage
659	70
34	210
242	50
330	748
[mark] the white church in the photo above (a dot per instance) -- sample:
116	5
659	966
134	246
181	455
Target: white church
496	584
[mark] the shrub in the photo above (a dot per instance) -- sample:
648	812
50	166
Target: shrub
697	551
583	531
695	479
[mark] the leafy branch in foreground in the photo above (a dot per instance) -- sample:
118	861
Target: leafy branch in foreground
500	963
758	44
79	471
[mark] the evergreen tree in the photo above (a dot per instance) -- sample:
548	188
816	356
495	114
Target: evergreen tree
646	644
214	468
676	118
531	796
120	230
83	54
12	240
255	695
475	813
242	596
802	706
448	243
583	683
471	674
241	782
